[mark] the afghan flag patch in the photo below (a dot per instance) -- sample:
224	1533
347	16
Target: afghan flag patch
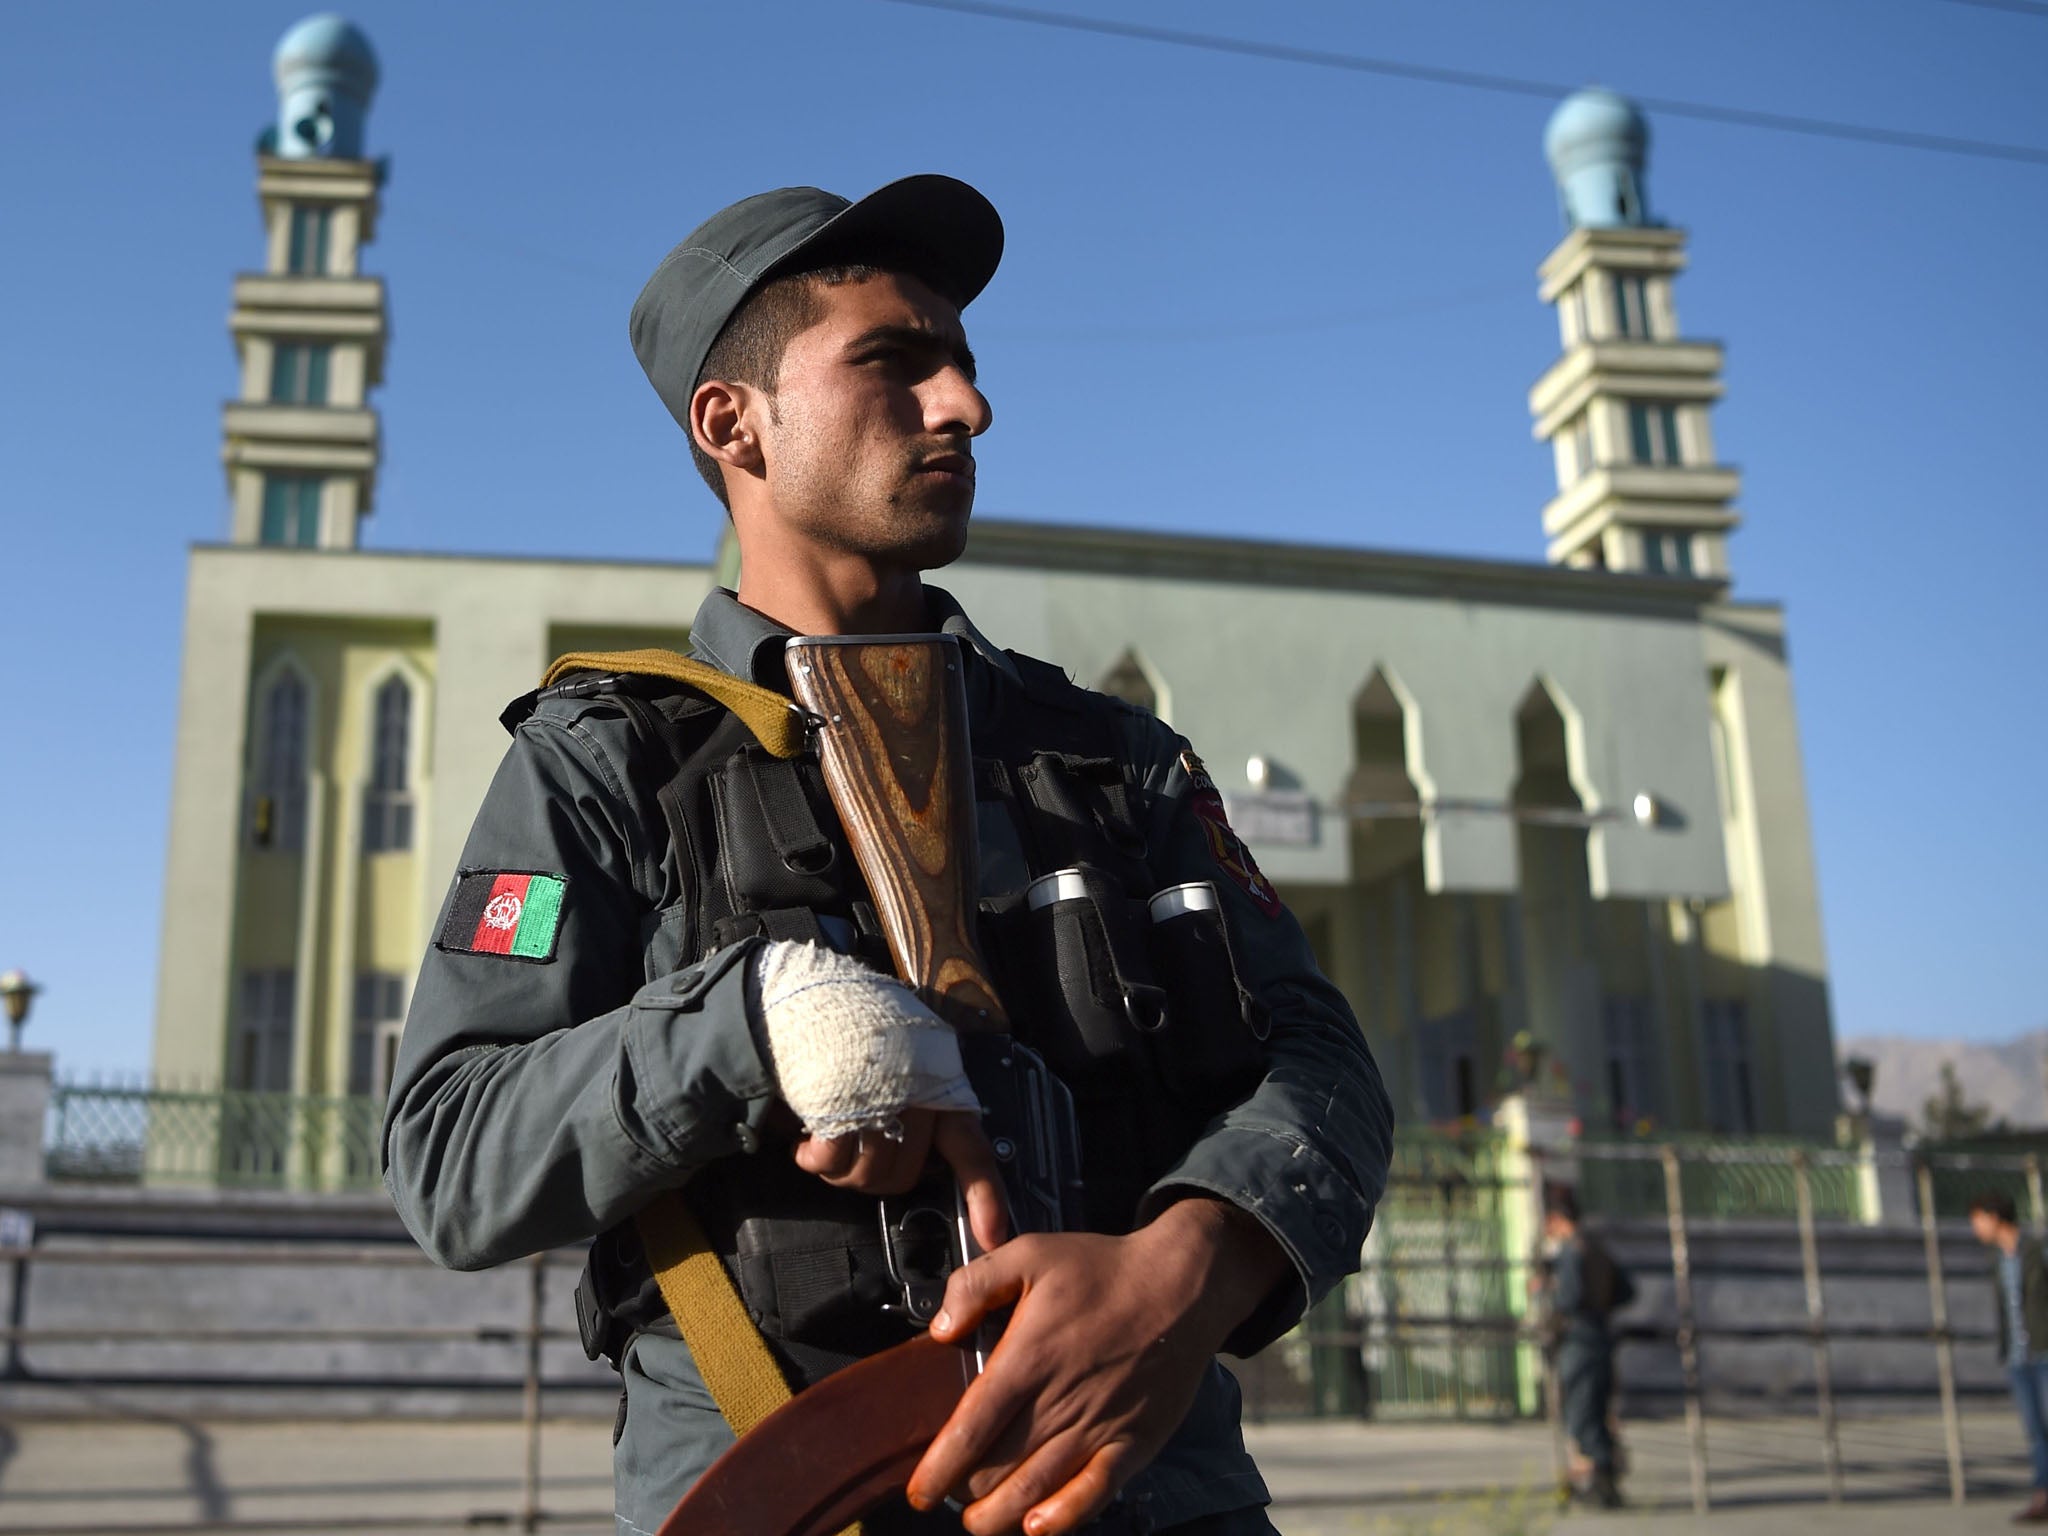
509	912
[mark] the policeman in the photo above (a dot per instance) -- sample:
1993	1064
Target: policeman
589	1033
1586	1287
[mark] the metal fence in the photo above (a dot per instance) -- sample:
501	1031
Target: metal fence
525	1340
217	1138
1445	1187
1722	1177
1446	1244
1437	1323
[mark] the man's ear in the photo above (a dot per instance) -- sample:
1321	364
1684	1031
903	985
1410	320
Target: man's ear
721	422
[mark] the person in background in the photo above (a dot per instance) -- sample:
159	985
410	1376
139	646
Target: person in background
2021	1277
1584	1287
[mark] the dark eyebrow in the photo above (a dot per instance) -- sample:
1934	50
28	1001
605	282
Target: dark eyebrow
917	338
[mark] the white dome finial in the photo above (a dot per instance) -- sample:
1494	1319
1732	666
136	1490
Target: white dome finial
1597	143
326	73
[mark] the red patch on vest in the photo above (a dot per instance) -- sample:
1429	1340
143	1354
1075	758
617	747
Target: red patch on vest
1225	846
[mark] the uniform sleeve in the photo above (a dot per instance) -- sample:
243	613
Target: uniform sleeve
541	1097
1307	1151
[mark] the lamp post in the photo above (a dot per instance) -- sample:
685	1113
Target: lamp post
17	992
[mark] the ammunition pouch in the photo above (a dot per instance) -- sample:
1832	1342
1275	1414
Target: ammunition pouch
1136	1004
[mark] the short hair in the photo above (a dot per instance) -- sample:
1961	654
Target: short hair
749	350
1997	1205
1561	1200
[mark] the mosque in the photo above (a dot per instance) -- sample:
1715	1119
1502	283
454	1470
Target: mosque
1557	801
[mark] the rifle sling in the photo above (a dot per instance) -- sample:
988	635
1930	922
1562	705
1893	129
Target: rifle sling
776	723
739	1371
732	1357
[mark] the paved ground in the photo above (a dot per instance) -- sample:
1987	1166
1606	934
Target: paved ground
140	1473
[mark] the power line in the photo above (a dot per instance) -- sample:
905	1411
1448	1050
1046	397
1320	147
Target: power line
2036	8
1509	85
1253	330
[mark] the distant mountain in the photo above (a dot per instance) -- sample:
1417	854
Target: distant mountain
2009	1076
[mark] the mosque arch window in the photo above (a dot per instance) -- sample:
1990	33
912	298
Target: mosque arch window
1631	1061
291	510
1667	554
379	1018
277	801
1133	680
298	372
1380	778
311	226
1631	306
1447	1066
1579	446
262	1059
1653	432
388	802
1574	311
1731	1084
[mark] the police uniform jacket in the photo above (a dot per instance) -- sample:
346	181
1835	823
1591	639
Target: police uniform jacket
541	1099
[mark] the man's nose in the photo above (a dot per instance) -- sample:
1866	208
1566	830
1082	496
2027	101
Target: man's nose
953	405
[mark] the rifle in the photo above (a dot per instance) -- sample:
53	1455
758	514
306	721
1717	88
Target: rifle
890	716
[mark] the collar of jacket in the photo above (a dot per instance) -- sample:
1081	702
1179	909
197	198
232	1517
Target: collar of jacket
736	639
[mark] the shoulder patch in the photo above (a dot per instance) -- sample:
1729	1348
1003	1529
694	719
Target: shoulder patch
1225	846
512	913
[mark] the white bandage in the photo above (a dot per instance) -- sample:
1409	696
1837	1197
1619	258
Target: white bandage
853	1049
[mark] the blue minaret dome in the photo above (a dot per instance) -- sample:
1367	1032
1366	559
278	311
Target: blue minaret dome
1597	144
326	72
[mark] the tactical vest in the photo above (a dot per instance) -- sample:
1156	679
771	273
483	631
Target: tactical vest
762	852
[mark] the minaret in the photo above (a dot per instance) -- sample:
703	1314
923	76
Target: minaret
300	444
1625	408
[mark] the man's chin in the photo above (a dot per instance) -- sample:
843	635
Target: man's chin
939	548
935	535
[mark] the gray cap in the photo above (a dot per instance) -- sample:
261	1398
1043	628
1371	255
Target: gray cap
938	230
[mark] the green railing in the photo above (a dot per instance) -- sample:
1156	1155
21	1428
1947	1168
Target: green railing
213	1138
1440	1251
1719	1176
2010	1165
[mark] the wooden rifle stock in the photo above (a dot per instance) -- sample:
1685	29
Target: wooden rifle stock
892	739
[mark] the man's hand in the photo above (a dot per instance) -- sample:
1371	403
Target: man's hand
874	1075
875	1164
1098	1365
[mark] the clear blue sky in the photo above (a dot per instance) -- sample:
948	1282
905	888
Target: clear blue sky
1240	296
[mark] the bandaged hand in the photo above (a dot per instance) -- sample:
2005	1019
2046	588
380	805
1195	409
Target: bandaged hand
852	1049
876	1078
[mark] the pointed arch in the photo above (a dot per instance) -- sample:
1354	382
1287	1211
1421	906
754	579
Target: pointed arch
394	701
1386	735
282	750
1136	681
1550	741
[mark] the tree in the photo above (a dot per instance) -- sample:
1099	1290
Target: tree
1948	1116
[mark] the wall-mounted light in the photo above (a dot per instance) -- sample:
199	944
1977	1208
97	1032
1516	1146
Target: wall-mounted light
1657	814
16	993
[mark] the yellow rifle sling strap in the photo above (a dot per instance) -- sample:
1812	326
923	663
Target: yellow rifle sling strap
739	1371
776	723
732	1357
